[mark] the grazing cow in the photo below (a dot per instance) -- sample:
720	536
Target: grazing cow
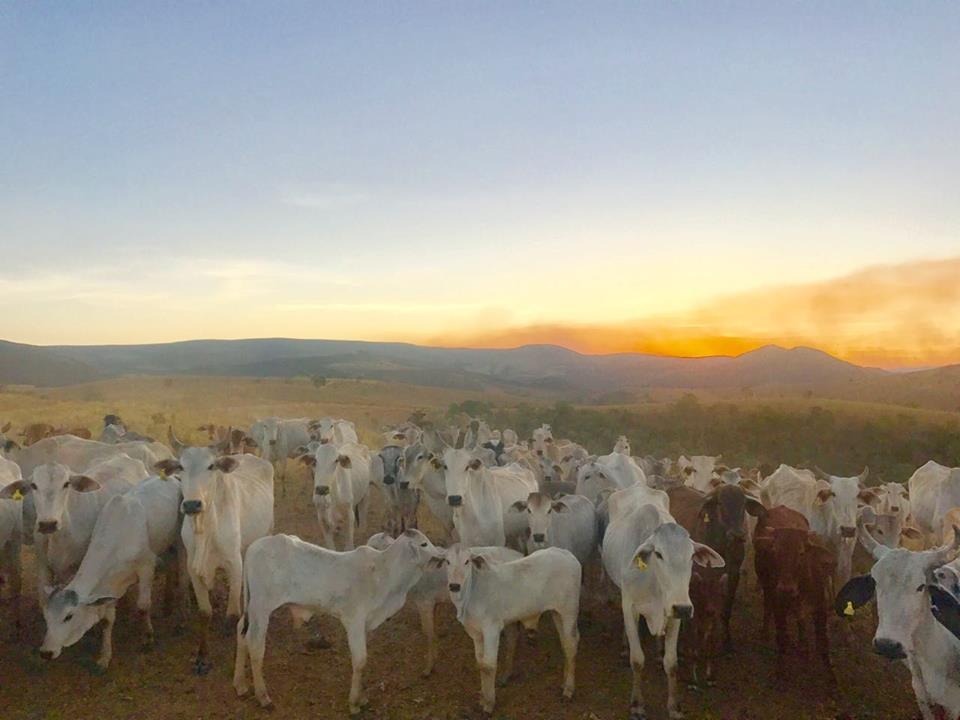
362	588
719	520
907	629
228	503
432	590
569	522
649	557
11	538
341	484
794	568
422	472
132	531
481	497
697	470
279	440
333	430
622	445
67	506
386	469
493	597
79	454
934	490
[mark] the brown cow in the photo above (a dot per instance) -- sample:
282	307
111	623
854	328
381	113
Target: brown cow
35	432
794	568
717	520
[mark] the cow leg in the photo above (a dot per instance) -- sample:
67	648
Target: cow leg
145	601
427	617
255	646
357	640
569	639
489	648
506	671
733	581
240	663
920	691
106	644
234	598
351	528
201	664
361	516
282	474
16	586
670	667
630	620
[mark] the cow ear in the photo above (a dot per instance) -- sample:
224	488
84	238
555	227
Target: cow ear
101	600
437	562
945	609
475	464
755	507
301	450
226	464
10	445
560	507
867	496
6	427
824	495
706	556
344	461
308	460
519	506
911	533
167	467
15	490
82	483
856	593
478	562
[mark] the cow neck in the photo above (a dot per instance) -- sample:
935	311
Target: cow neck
399	572
939	643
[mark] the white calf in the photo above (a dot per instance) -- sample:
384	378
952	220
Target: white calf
569	522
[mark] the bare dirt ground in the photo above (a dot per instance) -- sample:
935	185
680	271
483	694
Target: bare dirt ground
306	684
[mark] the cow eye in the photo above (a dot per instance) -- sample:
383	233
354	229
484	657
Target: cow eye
657	553
33	486
423	544
68	617
921	587
66	485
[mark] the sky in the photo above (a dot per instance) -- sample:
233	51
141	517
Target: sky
682	178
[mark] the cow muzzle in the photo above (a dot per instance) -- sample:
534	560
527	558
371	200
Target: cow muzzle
684	612
890	649
539	537
389	480
848	532
47	654
454	587
321	490
47	527
454	500
192	507
404	484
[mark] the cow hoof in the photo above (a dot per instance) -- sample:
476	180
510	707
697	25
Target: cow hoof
242	692
318	643
266	703
502	682
426	672
637	714
201	667
99	669
567	695
676	715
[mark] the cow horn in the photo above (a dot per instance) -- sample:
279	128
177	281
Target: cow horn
862	477
945	554
876	550
175	443
458	445
820	474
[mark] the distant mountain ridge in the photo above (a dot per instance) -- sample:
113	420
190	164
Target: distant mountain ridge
535	367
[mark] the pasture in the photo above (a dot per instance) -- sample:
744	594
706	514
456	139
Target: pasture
313	683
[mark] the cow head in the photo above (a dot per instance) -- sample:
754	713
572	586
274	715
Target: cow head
68	617
200	471
622	445
894	498
392	458
723	518
669	554
332	475
794	550
459	468
900	580
50	487
539	509
542	440
463	564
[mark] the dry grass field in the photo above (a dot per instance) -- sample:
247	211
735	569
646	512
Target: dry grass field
306	684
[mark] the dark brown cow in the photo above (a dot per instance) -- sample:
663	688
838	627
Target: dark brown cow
35	432
794	569
718	520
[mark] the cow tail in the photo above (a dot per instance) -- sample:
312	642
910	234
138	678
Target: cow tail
244	603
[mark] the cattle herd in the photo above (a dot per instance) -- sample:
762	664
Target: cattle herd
525	528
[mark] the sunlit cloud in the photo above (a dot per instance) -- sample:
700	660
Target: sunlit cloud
891	315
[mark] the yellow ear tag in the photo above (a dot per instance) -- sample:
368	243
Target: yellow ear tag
848	610
17	495
641	565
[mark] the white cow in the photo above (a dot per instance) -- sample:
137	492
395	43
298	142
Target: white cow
622	445
228	503
893	498
481	497
608	472
649	557
362	588
829	503
494	597
432	590
334	430
386	473
67	506
11	537
423	473
697	470
569	522
934	490
132	532
79	454
341	485
907	630
279	440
